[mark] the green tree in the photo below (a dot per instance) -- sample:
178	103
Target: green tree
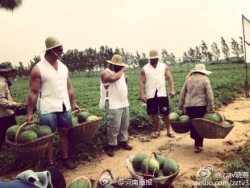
235	46
10	4
225	49
215	51
185	58
33	62
204	50
191	55
198	55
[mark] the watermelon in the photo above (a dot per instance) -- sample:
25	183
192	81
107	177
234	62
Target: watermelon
43	130
82	116
173	116
170	167
92	118
178	111
226	124
137	160
161	159
80	183
26	136
215	117
11	132
32	127
153	166
160	173
74	121
109	186
184	118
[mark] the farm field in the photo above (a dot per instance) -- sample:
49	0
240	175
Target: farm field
227	81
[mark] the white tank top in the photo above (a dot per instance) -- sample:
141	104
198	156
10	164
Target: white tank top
53	92
117	93
155	80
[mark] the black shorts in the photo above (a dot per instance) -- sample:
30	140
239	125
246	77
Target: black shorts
158	103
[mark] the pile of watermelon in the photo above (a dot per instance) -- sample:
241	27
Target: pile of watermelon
178	115
81	117
27	133
218	118
160	166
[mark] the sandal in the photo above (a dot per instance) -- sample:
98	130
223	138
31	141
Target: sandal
170	135
155	134
198	149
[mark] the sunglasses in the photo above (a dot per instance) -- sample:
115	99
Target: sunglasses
60	49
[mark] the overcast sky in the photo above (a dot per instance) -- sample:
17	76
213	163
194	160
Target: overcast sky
135	25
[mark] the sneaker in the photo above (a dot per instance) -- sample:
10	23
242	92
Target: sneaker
68	164
110	150
125	145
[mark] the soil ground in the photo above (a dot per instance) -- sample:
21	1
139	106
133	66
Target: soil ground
180	148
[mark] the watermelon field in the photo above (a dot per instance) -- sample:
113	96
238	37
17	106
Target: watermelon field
227	80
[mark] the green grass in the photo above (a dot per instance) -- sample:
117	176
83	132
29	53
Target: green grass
227	81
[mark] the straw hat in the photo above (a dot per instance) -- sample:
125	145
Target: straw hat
153	54
117	60
52	42
7	67
200	68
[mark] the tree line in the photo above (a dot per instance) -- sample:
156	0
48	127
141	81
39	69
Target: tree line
92	59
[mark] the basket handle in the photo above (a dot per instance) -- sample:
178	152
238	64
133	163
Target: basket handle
20	127
146	174
221	116
77	111
82	177
98	177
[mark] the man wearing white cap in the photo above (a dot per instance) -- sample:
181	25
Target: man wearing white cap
114	99
50	89
153	83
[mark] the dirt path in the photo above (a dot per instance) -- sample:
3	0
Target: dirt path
180	149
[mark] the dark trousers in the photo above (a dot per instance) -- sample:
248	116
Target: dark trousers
196	112
5	123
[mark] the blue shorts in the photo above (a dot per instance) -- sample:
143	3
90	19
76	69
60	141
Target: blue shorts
56	119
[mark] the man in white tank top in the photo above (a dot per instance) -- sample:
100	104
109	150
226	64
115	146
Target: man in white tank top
152	82
114	99
51	90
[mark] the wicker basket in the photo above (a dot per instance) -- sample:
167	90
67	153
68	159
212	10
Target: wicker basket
210	129
178	126
81	177
83	132
165	180
33	149
181	127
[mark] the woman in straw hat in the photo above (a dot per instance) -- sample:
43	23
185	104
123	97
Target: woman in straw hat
197	97
114	99
7	116
52	92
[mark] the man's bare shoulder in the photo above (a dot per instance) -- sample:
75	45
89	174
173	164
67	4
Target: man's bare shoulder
35	71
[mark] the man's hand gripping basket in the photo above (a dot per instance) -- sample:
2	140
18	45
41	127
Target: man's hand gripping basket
33	149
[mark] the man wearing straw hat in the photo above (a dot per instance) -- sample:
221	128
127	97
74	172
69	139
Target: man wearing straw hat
50	89
152	82
7	116
114	98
